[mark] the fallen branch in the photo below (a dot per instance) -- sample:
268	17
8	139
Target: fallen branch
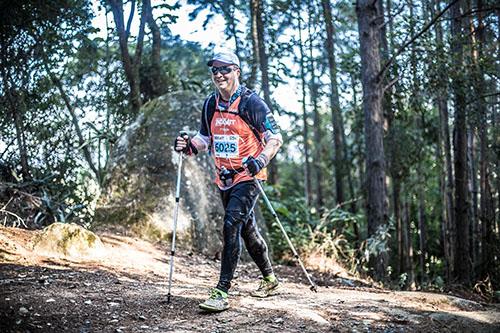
19	219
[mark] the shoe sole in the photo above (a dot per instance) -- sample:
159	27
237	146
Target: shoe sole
211	309
272	292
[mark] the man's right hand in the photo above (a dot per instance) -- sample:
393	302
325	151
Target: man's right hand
183	144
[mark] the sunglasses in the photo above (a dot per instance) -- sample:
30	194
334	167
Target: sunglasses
223	70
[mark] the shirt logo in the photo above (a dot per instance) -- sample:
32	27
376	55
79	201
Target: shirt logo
224	122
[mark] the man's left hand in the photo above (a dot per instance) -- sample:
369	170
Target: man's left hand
253	165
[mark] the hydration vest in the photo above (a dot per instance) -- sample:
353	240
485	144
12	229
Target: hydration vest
209	110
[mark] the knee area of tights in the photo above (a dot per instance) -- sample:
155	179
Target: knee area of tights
233	218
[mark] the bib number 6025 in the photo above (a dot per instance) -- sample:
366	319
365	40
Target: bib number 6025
225	147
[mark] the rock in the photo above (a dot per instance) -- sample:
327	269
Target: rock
68	239
23	311
50	300
463	304
88	302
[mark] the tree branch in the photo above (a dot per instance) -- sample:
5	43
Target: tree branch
413	39
140	38
130	18
390	84
481	97
19	219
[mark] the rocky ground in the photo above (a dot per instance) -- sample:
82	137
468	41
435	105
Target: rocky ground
124	289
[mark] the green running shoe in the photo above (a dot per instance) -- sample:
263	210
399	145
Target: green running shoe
267	288
216	302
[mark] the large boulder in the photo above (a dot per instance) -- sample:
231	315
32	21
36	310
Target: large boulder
140	189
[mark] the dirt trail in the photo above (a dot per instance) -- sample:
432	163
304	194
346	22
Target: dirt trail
125	290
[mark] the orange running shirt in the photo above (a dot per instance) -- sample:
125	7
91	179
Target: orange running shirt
232	141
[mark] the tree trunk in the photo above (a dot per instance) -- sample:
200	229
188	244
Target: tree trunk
422	235
449	233
408	248
157	84
496	122
17	109
372	104
305	129
358	143
486	211
473	198
130	66
337	122
396	202
263	62
359	140
317	134
462	259
254	63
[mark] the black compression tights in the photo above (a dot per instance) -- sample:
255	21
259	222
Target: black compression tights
239	222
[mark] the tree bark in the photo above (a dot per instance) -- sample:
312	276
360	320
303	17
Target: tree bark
264	66
449	233
157	84
369	34
130	66
408	258
254	64
358	144
473	198
337	122
422	235
317	133
462	259
396	202
486	208
305	129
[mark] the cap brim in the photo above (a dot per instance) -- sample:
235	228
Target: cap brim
211	62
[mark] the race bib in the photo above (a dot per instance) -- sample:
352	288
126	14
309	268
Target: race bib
226	146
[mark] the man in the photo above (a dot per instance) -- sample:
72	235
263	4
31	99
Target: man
239	130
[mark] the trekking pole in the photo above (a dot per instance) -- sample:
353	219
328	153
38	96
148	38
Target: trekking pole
295	254
176	210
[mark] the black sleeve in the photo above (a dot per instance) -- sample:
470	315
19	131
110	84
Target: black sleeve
260	116
206	115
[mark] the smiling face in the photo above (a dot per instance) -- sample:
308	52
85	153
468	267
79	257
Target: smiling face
226	83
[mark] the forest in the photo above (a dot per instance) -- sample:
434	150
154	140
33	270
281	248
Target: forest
389	112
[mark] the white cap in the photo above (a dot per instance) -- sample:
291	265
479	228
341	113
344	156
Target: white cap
225	57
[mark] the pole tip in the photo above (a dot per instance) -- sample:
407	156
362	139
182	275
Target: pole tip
168	299
313	288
